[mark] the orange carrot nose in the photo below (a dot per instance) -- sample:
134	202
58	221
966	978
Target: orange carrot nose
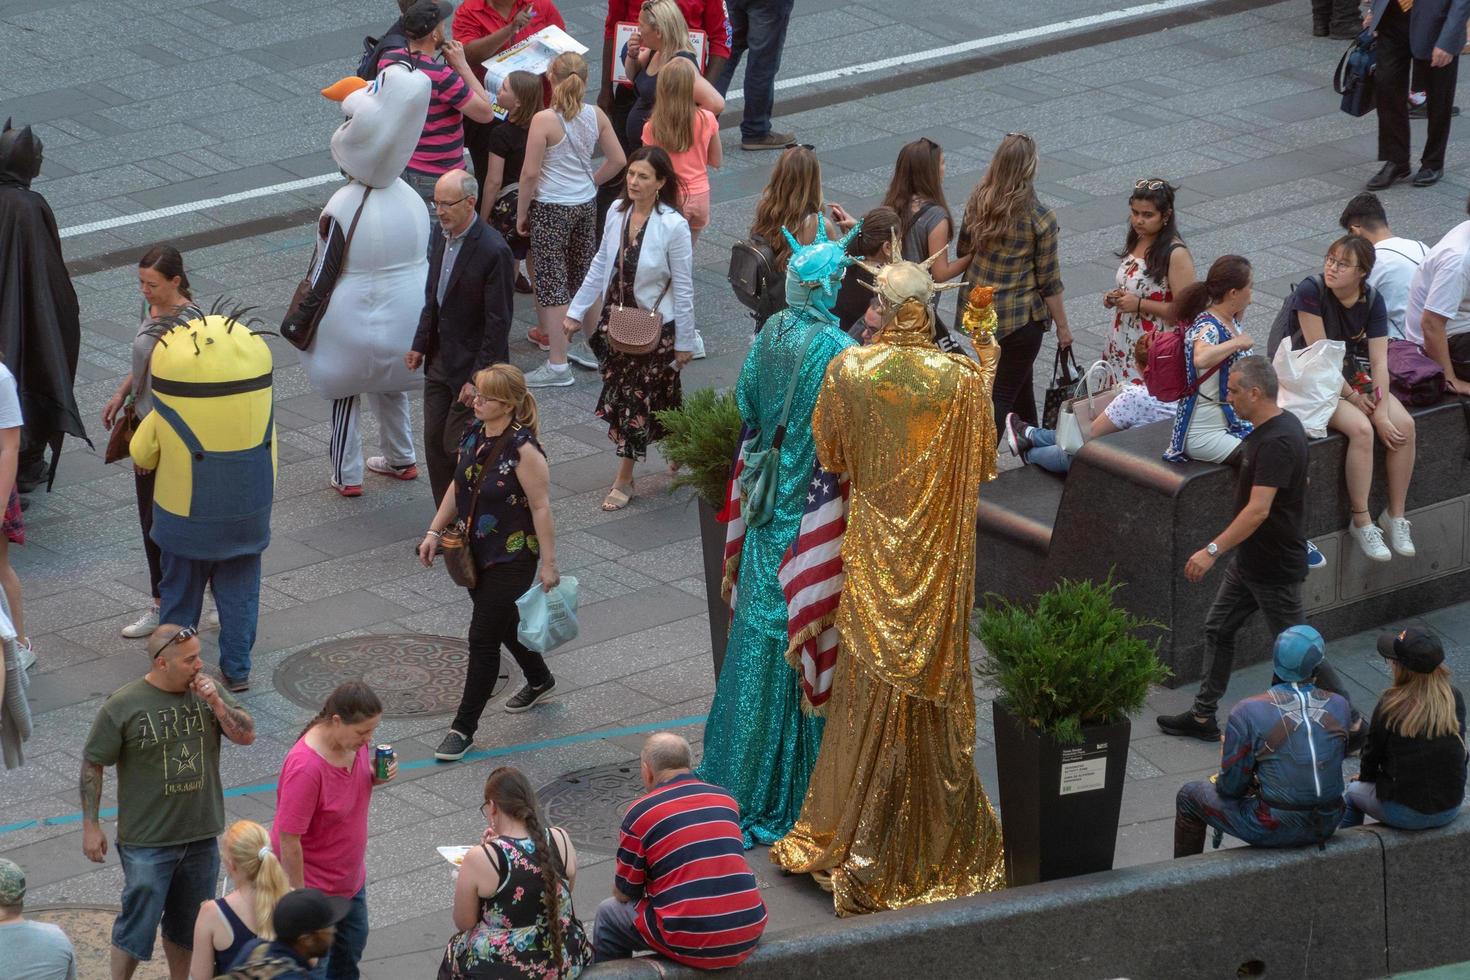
338	91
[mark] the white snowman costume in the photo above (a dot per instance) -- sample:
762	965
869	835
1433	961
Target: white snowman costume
377	292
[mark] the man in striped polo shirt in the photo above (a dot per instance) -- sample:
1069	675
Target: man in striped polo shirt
683	888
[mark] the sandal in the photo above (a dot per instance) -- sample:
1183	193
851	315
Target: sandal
616	499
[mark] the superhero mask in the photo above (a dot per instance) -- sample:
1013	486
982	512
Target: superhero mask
384	120
814	272
20	155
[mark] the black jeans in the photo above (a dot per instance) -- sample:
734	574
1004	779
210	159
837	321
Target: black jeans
1013	390
1392	87
441	402
1460	355
1238	599
143	481
492	624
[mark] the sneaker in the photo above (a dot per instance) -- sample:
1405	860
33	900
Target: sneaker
380	464
537	337
1191	725
771	141
523	285
1421	110
28	656
144	626
698	346
528	697
547	376
1016	438
1370	539
1315	558
348	490
453	747
580	354
237	685
1397	529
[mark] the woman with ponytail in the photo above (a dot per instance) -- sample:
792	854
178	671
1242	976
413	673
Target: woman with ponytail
557	208
166	294
510	528
226	925
320	829
1205	427
513	896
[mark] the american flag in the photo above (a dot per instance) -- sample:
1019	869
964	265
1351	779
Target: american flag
811	579
730	515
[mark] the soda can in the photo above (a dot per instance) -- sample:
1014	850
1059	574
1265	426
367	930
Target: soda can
381	758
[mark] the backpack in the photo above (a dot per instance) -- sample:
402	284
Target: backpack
1284	326
752	277
1164	375
372	52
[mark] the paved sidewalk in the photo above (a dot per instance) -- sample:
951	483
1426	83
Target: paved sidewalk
1237	108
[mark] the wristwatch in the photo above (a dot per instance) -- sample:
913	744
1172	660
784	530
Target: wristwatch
1212	549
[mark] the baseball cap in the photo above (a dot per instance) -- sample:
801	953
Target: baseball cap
1299	651
12	883
306	910
1418	650
425	15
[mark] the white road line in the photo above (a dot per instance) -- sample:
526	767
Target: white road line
867	68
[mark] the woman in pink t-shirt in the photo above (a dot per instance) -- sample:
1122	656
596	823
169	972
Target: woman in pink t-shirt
690	135
320	829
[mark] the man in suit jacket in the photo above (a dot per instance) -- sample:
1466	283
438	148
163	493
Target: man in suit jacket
465	325
1430	32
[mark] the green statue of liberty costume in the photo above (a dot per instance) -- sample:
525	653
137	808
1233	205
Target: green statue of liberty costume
758	743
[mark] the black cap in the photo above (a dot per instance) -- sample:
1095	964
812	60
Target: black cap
305	911
1418	650
420	19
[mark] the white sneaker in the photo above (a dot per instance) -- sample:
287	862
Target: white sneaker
698	346
209	615
27	655
146	624
547	376
1370	539
580	354
1397	529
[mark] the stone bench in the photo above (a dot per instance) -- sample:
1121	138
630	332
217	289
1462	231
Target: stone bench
1375	901
1122	506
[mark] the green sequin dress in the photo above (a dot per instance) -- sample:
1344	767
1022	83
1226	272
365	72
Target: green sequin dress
758	744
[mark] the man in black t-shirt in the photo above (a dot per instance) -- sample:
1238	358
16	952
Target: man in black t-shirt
1269	531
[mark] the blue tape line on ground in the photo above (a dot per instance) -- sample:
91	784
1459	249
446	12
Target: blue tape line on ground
504	750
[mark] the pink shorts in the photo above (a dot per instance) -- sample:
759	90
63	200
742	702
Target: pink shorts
696	210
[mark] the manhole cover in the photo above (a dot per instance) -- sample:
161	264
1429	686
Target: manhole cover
89	927
412	673
589	804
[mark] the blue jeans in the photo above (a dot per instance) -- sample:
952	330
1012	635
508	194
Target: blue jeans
236	586
1045	452
341	960
759	27
163	885
1362	799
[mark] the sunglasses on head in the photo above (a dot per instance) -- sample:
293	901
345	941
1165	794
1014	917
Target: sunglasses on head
1024	136
1150	184
178	637
804	146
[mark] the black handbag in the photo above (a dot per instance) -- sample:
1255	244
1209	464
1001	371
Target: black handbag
299	329
502	216
1353	79
1066	374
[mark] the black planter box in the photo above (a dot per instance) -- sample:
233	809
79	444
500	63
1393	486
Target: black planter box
1059	803
712	543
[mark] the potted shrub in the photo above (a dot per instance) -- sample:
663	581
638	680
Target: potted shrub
700	438
1069	673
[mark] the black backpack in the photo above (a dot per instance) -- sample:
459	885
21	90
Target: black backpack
372	52
1284	326
753	278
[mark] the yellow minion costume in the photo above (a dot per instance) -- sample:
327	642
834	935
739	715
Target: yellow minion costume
211	437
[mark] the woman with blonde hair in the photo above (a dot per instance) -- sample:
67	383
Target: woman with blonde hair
557	206
661	39
1013	238
690	134
226	925
501	493
1413	763
791	200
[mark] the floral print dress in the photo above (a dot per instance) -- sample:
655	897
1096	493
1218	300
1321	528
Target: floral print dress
1133	278
512	938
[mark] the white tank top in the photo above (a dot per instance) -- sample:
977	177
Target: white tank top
566	169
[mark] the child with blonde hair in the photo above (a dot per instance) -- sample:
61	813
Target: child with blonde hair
690	134
226	925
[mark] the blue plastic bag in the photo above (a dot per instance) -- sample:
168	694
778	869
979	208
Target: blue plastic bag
548	619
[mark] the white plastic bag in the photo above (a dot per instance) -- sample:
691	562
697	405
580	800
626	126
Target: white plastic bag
1310	380
1074	423
548	619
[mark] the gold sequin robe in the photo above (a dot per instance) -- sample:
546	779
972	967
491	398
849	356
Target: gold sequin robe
894	809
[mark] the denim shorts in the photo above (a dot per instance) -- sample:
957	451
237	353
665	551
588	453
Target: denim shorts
163	885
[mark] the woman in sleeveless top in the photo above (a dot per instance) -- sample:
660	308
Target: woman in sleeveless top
662	35
226	924
916	195
1154	267
1205	427
557	206
513	895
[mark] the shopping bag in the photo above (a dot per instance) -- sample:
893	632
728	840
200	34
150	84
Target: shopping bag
1310	382
1065	373
548	619
1074	423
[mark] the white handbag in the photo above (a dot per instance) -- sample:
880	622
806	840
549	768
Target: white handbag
1074	423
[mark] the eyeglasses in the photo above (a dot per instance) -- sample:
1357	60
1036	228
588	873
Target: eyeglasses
178	637
485	812
794	145
480	399
446	205
1150	184
1334	263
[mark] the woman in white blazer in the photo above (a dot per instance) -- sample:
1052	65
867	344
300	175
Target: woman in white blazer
655	269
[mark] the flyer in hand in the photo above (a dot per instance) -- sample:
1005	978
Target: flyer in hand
534	55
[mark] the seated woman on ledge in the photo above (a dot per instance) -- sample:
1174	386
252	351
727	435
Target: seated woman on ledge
1340	306
1413	764
1205	427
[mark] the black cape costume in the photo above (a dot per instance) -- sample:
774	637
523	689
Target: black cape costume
40	321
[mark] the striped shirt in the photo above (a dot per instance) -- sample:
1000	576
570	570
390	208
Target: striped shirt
680	856
1022	266
441	145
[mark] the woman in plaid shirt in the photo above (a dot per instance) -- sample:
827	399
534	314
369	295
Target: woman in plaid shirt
1014	239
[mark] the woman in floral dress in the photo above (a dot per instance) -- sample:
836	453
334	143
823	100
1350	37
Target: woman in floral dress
1155	267
513	896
